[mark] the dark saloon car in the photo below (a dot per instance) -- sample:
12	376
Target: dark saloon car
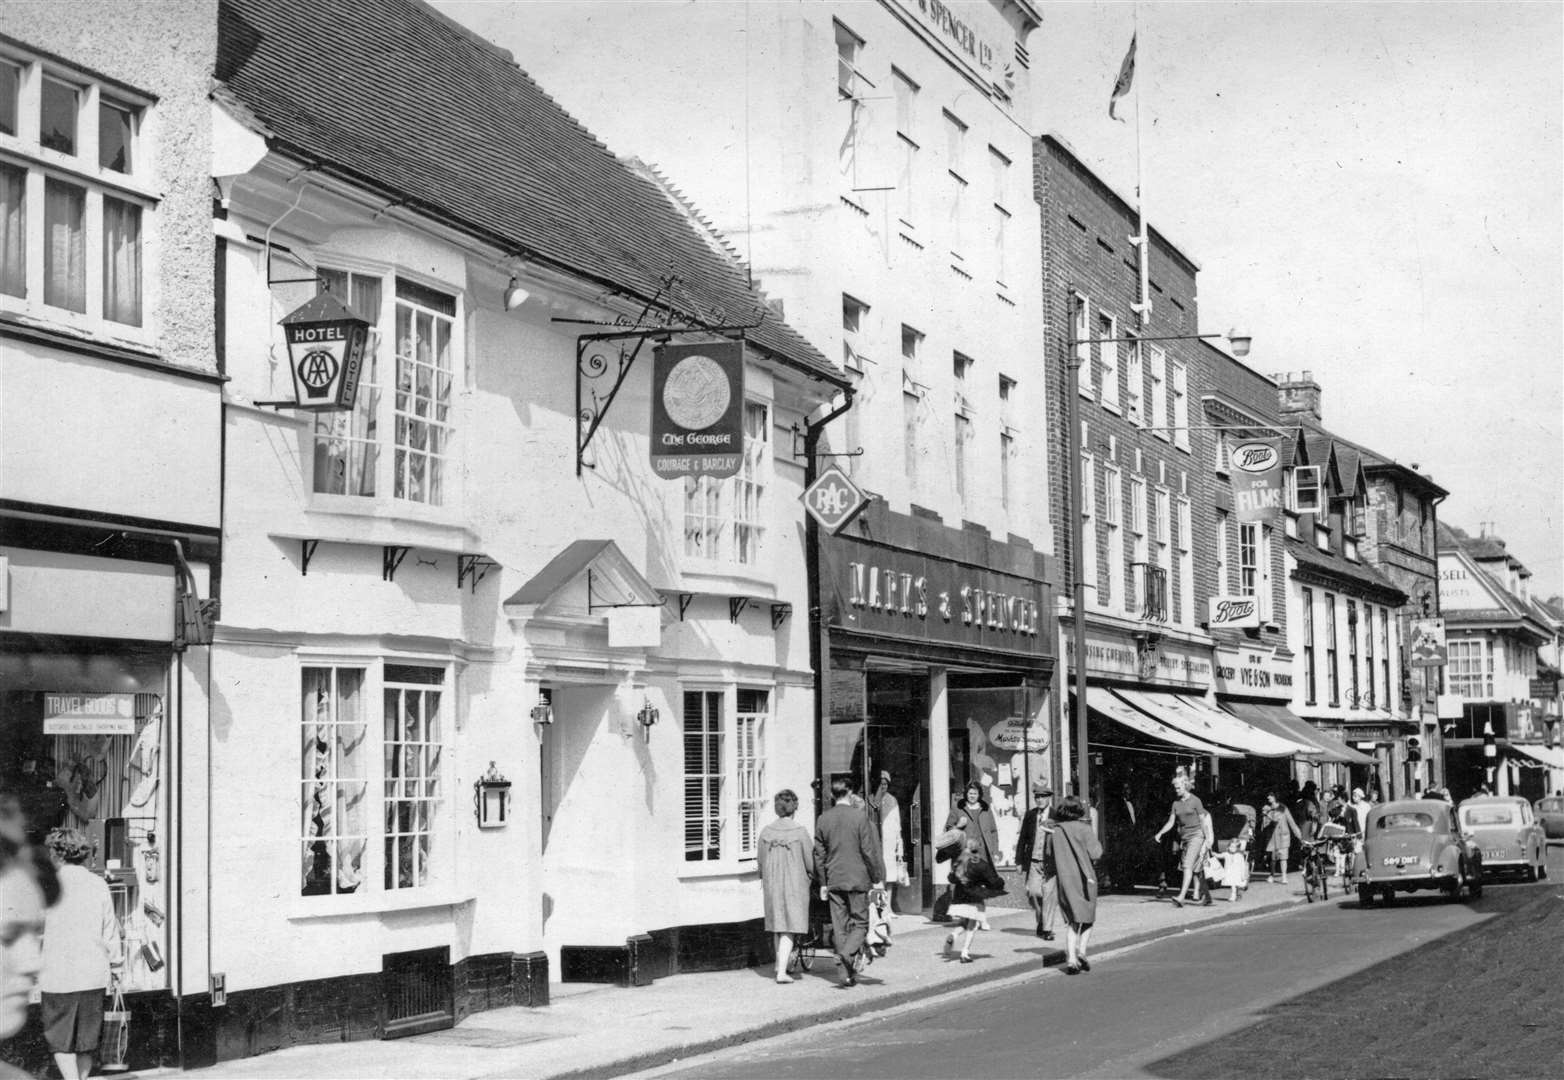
1414	844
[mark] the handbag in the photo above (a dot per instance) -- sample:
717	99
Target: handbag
948	843
115	1040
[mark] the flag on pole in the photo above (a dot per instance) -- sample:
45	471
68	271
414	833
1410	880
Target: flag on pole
1126	76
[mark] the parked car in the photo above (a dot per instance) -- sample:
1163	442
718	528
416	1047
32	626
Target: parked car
1414	844
1550	815
1505	827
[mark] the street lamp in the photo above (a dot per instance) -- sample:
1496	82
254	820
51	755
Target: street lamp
1073	359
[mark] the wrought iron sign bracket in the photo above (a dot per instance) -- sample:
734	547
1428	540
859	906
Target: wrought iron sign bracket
476	567
736	606
593	605
391	556
306	553
779	614
685	598
594	363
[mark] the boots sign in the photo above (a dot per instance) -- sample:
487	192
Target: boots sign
1257	481
698	409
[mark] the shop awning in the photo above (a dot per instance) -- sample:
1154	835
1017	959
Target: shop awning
1547	755
1300	730
1102	702
1208	724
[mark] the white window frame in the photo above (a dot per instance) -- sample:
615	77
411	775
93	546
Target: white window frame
1140	510
1248	558
1088	536
1158	421
1135	385
79	168
1113	519
1222	555
905	91
1310	672
1186	565
734	756
1080	322
1306	478
432	790
1108	358
1267	600
1470	671
725	520
1371	669
855	314
1178	377
1332	667
389	394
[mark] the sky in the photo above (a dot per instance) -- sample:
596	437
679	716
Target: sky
1374	191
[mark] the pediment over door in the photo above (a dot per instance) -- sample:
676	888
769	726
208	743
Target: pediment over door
565	610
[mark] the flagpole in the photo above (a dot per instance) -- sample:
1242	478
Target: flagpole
1142	241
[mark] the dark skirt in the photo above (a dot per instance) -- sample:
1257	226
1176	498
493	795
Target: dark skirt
73	1022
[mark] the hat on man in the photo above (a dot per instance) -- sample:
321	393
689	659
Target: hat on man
1042	787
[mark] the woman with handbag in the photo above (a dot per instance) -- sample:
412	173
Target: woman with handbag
1075	849
973	880
82	957
1282	829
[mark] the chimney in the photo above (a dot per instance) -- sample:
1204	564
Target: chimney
1298	395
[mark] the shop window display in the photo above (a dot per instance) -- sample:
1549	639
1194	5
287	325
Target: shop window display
82	740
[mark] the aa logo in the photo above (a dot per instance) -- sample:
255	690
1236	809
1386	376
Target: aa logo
317	371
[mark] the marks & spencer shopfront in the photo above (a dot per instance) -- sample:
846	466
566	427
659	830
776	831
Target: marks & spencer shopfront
935	670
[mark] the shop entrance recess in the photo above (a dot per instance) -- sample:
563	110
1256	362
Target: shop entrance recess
997	741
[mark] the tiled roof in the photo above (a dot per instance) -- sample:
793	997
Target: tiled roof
1339	566
393	95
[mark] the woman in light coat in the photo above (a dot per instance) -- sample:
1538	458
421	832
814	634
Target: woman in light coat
1282	828
787	862
82	957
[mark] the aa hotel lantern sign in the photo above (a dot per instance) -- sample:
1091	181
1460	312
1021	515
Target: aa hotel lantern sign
325	353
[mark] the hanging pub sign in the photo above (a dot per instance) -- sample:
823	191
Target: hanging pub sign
1257	481
1428	643
698	409
325	353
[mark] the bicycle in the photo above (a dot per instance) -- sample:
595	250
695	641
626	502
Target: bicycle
1317	867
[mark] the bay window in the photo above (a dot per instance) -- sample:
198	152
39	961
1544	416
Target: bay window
76	200
373	795
725	519
397	438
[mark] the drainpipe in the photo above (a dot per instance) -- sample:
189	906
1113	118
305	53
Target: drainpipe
812	434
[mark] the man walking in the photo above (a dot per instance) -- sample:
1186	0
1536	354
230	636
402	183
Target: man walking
1035	858
848	860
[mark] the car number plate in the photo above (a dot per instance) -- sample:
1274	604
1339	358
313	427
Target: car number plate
1493	854
1402	860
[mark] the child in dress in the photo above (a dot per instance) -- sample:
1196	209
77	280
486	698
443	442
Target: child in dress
973	879
1234	869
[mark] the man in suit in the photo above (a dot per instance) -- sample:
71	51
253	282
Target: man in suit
1036	860
849	863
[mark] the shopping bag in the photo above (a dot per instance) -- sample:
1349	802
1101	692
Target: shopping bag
115	1040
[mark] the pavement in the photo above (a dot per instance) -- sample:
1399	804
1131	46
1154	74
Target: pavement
594	1030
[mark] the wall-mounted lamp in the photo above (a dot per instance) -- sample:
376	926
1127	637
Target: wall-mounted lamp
491	799
648	714
543	711
515	294
1240	343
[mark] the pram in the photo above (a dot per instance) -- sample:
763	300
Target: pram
821	940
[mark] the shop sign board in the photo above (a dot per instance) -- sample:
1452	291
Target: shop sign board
1428	643
1257	481
1232	611
1015	734
698	409
1121	658
1252	672
927	598
1543	689
89	714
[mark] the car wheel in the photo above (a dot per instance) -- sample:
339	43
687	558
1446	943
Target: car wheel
1474	888
1531	872
1389	897
1365	896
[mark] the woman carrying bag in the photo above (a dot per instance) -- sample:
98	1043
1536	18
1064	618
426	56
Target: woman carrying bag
1075	849
1281	831
973	817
